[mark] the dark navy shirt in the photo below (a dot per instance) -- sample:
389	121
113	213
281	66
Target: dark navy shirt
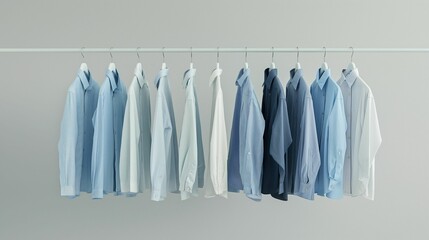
277	137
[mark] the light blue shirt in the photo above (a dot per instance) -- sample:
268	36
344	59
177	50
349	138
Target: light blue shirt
108	120
164	159
75	144
303	153
246	148
331	128
191	153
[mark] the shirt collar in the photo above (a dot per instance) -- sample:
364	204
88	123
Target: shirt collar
270	74
113	78
140	77
295	76
189	74
162	73
85	78
322	76
215	74
349	77
242	77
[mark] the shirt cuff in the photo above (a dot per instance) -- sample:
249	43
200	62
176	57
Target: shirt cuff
185	195
68	191
364	182
304	187
156	195
332	184
252	194
97	193
306	190
281	187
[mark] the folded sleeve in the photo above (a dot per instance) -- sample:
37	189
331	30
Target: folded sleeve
252	156
97	171
129	156
309	149
281	138
337	126
67	146
219	149
188	151
369	145
158	156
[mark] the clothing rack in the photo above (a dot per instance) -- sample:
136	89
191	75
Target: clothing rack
209	50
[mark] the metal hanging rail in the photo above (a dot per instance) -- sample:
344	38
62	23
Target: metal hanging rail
208	50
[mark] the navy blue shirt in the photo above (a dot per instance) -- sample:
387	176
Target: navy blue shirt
277	136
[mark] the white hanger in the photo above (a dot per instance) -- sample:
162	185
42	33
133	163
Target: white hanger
297	66
273	65
351	65
217	63
139	66
164	65
324	64
112	66
246	65
83	66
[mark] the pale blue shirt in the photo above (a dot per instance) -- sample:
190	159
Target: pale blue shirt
331	128
246	147
191	153
75	144
164	156
108	119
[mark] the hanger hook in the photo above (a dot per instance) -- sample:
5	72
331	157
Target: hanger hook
245	55
324	55
137	51
353	53
191	55
272	54
81	52
218	54
110	52
163	54
297	54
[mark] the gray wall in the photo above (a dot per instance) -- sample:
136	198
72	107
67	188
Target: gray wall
33	89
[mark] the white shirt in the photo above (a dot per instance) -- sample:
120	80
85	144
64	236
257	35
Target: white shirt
216	174
363	135
191	154
134	164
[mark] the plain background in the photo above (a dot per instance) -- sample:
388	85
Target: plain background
33	91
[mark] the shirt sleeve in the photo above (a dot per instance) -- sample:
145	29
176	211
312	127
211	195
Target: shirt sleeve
97	173
252	156
188	151
129	157
67	147
369	145
309	148
162	130
219	149
281	138
337	126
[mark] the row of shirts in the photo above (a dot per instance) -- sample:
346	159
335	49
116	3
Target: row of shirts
303	140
